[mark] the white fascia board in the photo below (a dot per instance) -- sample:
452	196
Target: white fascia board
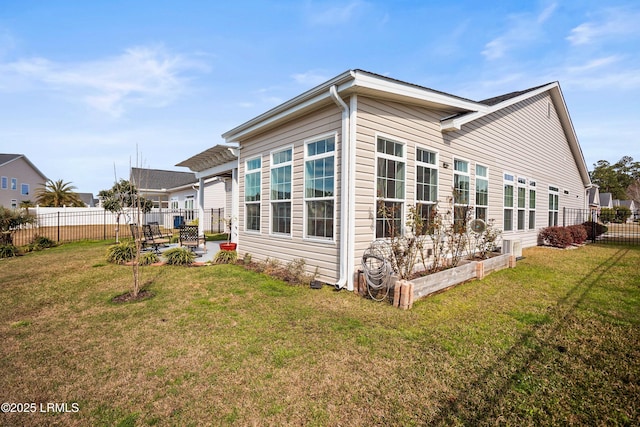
456	123
299	103
421	94
217	170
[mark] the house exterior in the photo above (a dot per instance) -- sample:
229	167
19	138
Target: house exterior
178	190
19	180
606	200
310	175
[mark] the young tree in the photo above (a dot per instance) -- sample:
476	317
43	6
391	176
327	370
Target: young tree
58	194
123	195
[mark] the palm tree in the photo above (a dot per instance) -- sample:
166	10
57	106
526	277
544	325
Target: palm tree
57	194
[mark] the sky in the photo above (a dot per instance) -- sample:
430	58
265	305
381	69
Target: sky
90	88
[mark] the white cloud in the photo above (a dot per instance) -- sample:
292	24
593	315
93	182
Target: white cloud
522	29
333	15
310	78
611	23
147	76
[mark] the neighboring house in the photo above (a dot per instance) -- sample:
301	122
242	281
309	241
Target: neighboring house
606	200
309	175
179	190
628	204
19	180
88	199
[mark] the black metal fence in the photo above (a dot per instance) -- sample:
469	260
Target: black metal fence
99	224
614	227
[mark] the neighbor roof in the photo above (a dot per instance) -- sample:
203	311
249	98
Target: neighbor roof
8	158
157	179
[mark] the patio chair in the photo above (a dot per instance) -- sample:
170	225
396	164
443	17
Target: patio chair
152	240
189	237
157	233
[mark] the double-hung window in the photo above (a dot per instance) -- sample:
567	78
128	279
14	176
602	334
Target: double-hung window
189	204
319	187
522	202
482	192
554	194
460	193
4	182
24	189
426	183
508	202
281	170
14	184
390	183
252	193
532	205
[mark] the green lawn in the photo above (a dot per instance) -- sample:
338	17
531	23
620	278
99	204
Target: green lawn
555	341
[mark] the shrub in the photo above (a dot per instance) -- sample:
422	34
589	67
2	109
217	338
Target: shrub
594	229
294	272
179	256
8	251
225	257
607	214
39	243
148	258
121	253
578	233
559	237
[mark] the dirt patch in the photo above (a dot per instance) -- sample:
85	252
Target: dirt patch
128	297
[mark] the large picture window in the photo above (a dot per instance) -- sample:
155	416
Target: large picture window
426	183
252	193
281	164
390	187
508	202
554	194
319	187
482	192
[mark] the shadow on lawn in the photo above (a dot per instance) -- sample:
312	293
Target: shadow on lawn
498	379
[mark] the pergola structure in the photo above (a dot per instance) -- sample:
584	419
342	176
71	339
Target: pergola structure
219	160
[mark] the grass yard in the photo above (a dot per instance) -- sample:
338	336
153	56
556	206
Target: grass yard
555	341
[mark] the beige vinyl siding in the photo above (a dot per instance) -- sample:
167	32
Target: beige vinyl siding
22	171
262	245
522	140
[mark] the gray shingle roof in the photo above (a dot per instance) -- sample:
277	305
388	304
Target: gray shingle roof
6	158
156	179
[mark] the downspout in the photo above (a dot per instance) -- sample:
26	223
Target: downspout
201	207
344	190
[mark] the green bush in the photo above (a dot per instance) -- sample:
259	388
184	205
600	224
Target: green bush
121	253
179	256
148	258
225	257
39	243
8	251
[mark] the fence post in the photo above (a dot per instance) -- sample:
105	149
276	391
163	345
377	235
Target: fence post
564	216
58	226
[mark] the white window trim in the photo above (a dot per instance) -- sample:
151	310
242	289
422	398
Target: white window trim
319	239
403	142
28	189
531	187
271	202
430	166
4	183
14	184
259	202
455	172
486	178
557	193
512	183
525	208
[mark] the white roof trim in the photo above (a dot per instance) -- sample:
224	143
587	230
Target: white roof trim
218	155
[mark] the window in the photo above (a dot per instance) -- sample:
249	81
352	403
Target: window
508	202
252	193
14	204
426	183
4	183
390	182
553	205
281	163
460	193
319	184
14	184
482	192
522	203
174	203
532	205
188	206
24	189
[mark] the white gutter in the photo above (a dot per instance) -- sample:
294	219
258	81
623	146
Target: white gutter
344	190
